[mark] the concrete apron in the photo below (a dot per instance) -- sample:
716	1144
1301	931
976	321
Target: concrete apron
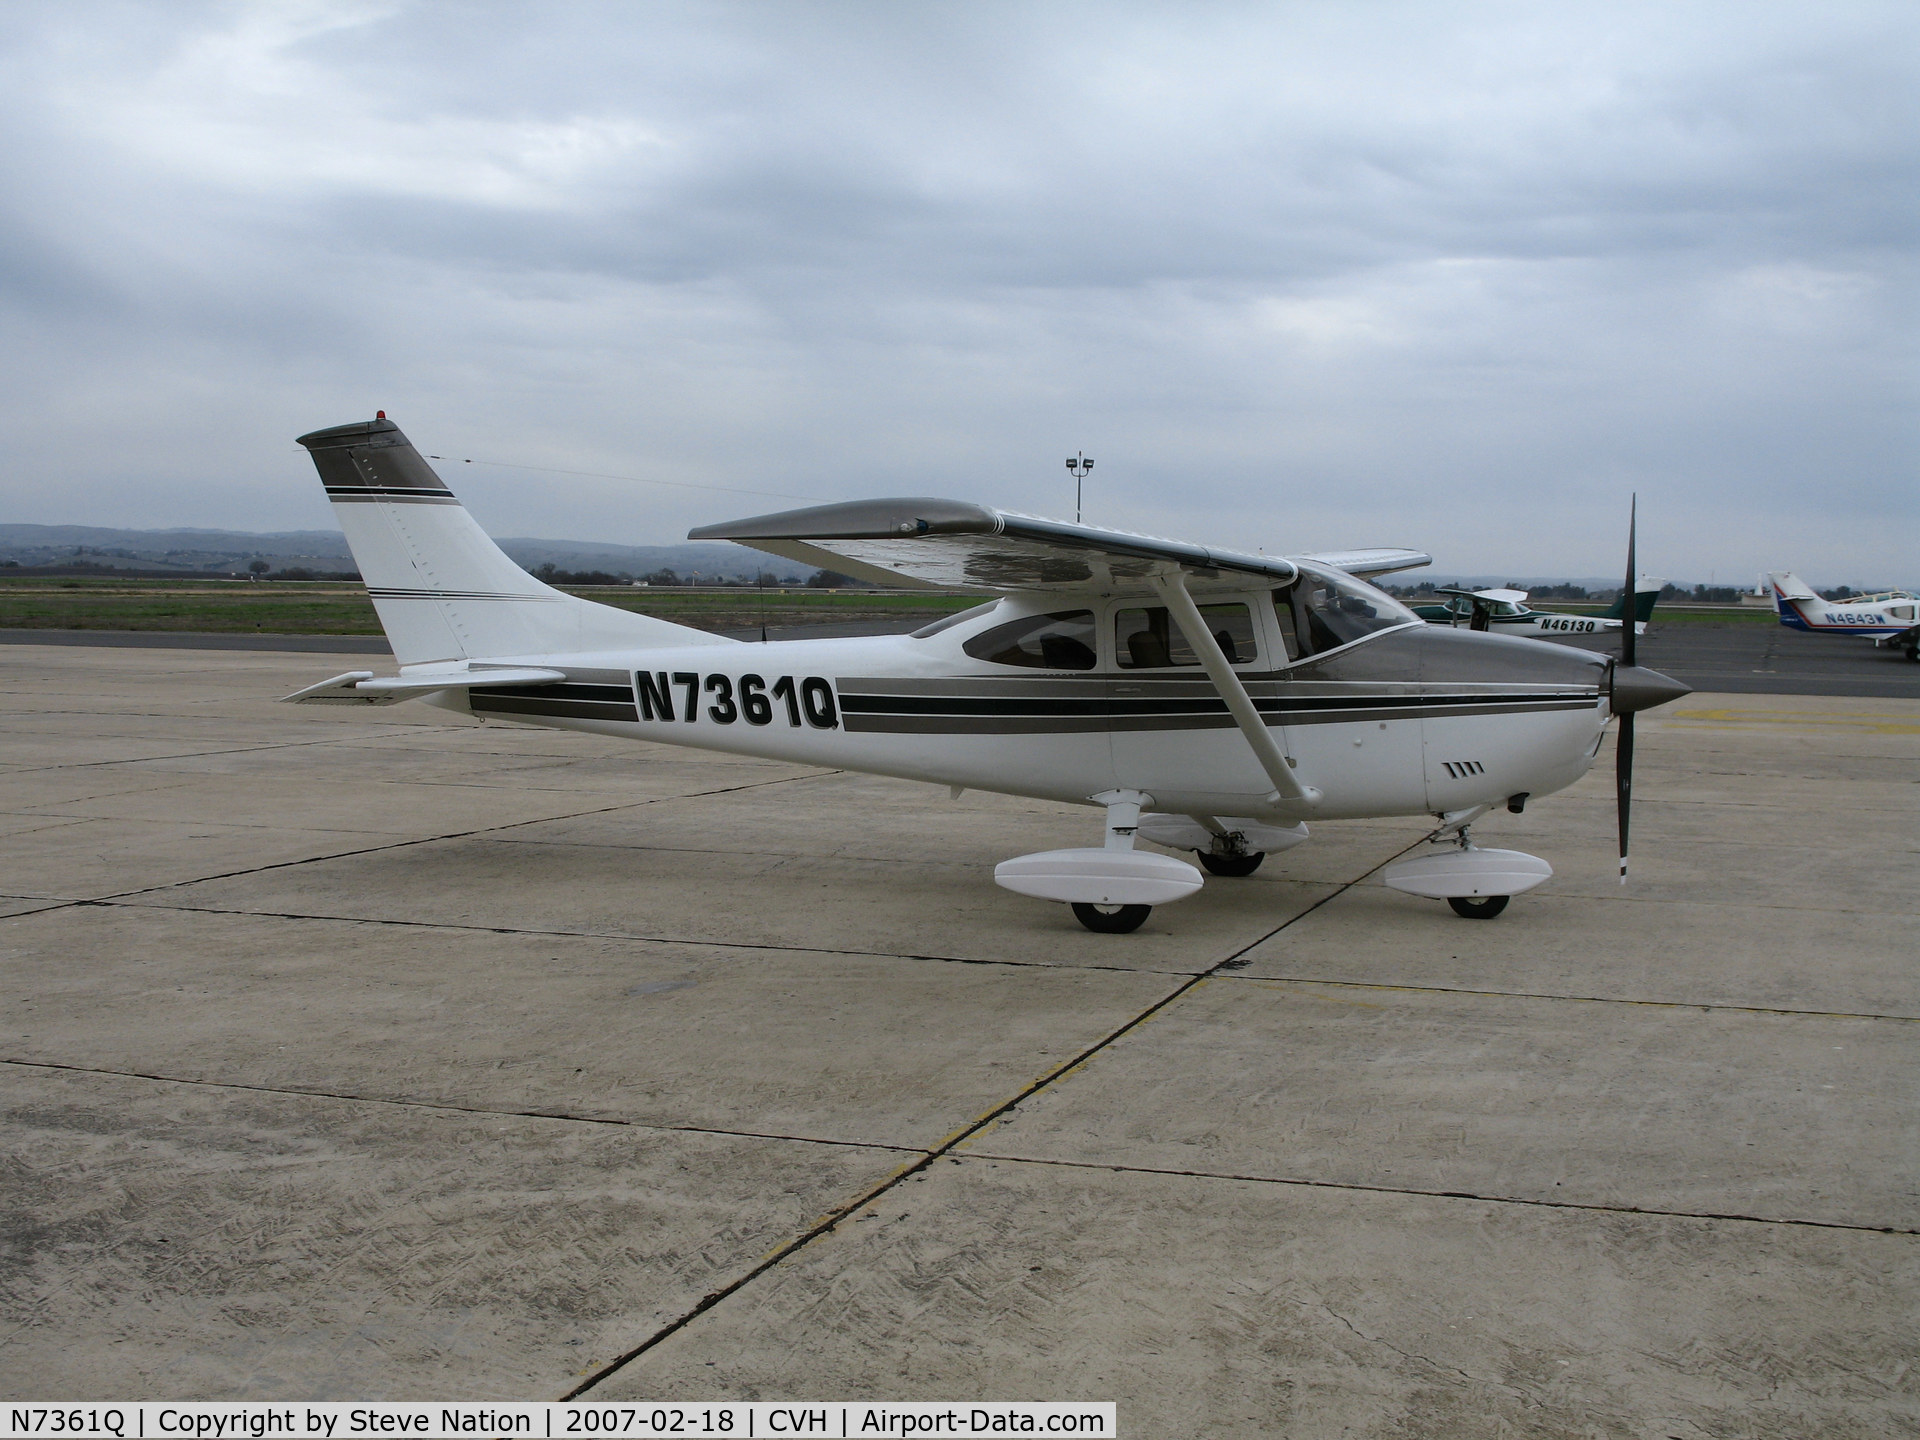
369	1056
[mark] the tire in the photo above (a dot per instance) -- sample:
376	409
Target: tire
1235	865
1480	907
1913	652
1112	919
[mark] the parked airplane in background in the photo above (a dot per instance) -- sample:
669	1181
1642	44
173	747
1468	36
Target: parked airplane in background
1205	700
1889	618
1504	612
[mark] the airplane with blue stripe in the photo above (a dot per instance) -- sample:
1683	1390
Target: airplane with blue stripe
1890	618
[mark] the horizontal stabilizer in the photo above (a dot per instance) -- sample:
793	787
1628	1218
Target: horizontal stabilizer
362	687
1791	587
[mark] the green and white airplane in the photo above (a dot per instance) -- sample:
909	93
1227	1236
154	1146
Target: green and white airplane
1505	612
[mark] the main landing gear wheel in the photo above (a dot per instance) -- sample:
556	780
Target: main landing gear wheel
1478	907
1235	865
1112	919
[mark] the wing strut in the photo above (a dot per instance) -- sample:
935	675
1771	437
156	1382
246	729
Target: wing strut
1172	588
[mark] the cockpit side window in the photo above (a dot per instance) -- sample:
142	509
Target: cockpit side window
1330	610
1063	640
1147	639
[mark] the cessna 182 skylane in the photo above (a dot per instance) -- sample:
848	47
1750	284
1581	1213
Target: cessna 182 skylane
1207	700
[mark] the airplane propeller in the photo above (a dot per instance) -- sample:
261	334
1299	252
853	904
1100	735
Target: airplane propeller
1633	688
1623	751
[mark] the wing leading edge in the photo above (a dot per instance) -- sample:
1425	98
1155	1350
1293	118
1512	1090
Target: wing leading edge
931	543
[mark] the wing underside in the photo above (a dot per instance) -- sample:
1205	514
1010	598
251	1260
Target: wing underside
950	544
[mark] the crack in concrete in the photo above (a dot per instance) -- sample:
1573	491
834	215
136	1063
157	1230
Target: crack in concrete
203	754
1576	999
828	1223
450	1107
625	937
436	839
1476	1197
1384	1344
1229	968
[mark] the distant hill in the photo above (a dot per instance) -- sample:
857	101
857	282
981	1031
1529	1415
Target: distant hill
223	552
227	552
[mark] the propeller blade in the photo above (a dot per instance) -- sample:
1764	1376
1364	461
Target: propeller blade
1623	748
1623	784
1630	604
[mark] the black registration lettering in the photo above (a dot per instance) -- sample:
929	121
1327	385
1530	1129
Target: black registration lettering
656	696
692	682
753	700
783	690
817	696
723	710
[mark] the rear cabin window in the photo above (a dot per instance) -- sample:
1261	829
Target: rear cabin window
1060	641
1147	639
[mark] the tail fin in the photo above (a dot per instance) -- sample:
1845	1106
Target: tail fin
444	591
1646	591
1793	598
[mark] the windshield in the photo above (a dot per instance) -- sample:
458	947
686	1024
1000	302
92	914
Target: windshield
1330	609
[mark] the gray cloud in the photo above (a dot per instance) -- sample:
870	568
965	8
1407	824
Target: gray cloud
1456	277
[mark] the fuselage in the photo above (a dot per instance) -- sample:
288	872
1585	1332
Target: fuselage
1406	720
1508	617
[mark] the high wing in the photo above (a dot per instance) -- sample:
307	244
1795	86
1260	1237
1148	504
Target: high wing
1368	563
950	543
1511	597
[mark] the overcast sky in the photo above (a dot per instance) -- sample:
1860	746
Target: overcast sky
1456	276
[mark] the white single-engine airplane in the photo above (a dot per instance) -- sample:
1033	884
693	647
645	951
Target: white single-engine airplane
1505	612
1888	618
1207	700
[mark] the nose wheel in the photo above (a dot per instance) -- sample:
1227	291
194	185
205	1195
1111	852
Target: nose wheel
1112	919
1478	907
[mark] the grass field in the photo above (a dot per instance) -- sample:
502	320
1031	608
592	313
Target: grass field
285	607
278	607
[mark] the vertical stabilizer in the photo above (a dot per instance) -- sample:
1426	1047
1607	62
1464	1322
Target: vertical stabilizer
444	591
1795	601
1646	592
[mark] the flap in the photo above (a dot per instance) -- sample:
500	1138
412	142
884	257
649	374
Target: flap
952	544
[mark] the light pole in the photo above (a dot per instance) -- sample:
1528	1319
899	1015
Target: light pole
1079	465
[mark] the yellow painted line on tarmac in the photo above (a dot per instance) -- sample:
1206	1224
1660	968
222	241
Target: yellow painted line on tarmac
1878	724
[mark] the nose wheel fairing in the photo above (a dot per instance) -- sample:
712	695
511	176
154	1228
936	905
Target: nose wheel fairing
1467	872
